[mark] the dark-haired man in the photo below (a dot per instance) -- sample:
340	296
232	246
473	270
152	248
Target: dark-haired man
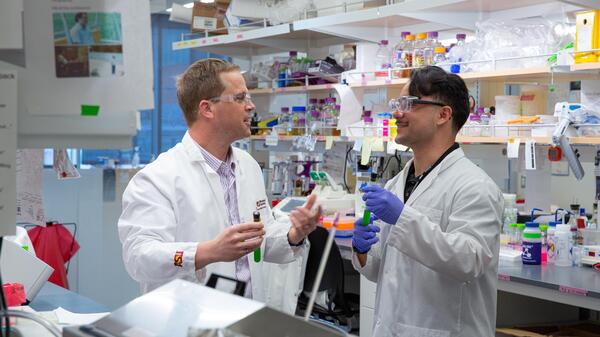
436	258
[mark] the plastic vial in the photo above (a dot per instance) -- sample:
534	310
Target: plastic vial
544	230
257	254
439	55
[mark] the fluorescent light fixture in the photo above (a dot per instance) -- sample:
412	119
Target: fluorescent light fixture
169	10
189	5
207	1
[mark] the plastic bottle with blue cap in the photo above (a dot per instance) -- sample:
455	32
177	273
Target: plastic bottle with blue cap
551	243
532	242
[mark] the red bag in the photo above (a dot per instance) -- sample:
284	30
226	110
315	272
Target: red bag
55	245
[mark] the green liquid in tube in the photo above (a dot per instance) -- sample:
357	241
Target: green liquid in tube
366	218
256	218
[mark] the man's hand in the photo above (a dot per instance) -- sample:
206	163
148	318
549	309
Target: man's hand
304	220
231	244
383	203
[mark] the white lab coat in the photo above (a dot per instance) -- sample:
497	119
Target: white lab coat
177	201
436	268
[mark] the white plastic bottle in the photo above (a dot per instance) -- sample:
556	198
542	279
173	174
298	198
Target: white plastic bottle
550	246
563	245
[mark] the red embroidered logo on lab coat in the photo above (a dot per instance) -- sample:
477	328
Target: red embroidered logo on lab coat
178	259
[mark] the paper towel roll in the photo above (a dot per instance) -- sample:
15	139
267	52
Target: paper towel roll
180	14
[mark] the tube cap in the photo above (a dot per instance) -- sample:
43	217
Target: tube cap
532	224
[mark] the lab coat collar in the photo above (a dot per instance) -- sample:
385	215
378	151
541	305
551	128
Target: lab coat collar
452	158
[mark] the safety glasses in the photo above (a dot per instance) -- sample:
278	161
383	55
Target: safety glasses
242	98
406	103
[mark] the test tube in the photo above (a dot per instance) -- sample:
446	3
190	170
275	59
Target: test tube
366	214
256	218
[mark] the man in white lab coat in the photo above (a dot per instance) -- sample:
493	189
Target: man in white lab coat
190	213
435	258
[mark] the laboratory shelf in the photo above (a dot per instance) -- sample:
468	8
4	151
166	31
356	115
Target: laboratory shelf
298	89
371	24
577	286
539	74
460	139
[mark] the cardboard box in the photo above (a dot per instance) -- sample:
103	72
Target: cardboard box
209	17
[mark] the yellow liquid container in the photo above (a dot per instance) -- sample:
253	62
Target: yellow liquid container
587	36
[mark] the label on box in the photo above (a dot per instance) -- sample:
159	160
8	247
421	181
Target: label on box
202	22
272	139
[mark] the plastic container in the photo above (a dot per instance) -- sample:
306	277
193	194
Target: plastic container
383	60
544	230
429	49
439	55
507	107
550	245
399	57
532	244
419	51
519	234
345	226
512	233
457	54
563	245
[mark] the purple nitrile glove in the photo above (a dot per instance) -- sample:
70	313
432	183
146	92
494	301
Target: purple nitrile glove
364	236
383	203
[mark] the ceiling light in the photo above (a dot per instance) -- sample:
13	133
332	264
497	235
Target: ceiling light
189	5
207	1
169	10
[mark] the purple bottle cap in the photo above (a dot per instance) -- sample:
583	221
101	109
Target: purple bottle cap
321	101
314	114
404	34
329	100
313	101
367	113
338	107
432	35
461	36
480	110
475	118
285	109
368	120
384	42
293	53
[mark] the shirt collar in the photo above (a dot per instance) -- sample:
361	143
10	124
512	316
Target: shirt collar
215	163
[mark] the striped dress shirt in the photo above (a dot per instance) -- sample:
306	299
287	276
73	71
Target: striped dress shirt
226	171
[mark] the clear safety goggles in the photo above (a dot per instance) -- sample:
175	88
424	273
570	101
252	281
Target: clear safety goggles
406	103
242	98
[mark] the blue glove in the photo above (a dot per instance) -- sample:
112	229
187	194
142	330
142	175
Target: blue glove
364	236
383	203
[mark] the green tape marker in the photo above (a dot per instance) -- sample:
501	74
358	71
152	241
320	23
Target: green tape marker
90	110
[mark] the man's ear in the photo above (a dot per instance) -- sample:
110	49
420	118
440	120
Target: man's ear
445	115
205	109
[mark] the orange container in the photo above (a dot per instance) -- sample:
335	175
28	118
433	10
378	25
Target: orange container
346	223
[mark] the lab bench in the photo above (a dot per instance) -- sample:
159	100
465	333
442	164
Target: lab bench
52	296
556	293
